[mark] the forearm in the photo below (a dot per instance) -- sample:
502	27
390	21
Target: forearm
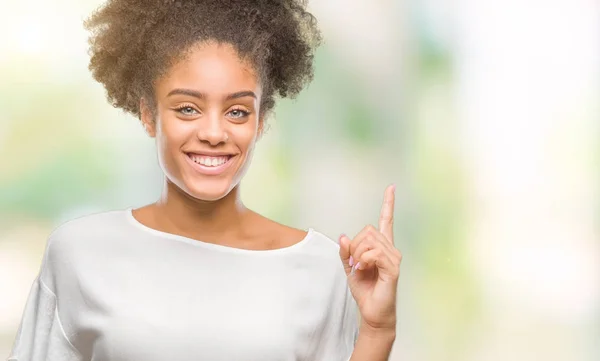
373	344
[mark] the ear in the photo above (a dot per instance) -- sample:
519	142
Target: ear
261	127
147	118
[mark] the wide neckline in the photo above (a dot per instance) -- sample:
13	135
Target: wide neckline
218	247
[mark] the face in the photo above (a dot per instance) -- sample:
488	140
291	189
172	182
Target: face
207	120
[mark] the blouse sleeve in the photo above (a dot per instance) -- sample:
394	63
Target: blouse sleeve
351	321
339	336
40	336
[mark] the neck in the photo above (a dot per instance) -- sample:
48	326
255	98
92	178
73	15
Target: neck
180	213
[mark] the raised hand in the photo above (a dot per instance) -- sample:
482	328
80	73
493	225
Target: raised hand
372	264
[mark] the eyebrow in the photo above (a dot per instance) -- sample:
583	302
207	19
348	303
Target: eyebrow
199	95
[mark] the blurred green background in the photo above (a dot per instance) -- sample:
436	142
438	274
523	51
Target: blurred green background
485	114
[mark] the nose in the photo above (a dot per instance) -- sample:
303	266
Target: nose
212	129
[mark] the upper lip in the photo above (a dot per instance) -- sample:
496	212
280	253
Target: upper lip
210	154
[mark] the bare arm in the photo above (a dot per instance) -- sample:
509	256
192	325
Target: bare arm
373	344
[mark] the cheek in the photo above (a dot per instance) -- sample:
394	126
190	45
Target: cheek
171	135
173	132
246	141
246	135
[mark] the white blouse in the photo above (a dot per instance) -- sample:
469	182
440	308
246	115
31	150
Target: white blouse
112	289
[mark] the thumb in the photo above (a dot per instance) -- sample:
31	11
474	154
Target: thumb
345	253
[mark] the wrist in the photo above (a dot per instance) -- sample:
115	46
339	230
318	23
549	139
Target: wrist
381	333
374	343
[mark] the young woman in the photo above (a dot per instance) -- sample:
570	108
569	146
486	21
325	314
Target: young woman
197	275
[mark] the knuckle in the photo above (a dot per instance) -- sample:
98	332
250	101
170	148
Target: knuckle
371	243
375	254
370	228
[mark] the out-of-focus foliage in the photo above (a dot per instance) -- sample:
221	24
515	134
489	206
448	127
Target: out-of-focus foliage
484	115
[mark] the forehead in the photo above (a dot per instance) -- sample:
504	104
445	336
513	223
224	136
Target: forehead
212	68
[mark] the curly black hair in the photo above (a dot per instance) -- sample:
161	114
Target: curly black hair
134	42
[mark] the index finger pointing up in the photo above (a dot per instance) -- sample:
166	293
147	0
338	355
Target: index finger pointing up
386	220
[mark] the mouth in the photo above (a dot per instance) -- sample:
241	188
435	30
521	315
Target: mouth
210	164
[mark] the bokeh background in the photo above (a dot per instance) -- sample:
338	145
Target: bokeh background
484	113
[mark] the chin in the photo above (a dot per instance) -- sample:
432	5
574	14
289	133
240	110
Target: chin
209	192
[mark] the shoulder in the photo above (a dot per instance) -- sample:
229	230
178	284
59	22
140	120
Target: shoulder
85	226
328	244
77	239
324	251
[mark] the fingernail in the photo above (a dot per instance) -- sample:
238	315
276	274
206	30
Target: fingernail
393	187
353	270
358	265
351	262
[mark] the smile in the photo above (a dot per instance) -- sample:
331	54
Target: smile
209	164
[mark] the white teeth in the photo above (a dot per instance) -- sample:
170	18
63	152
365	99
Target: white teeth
209	161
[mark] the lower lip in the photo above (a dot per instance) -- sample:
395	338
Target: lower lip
210	170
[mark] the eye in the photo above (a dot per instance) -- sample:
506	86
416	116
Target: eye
238	113
186	110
